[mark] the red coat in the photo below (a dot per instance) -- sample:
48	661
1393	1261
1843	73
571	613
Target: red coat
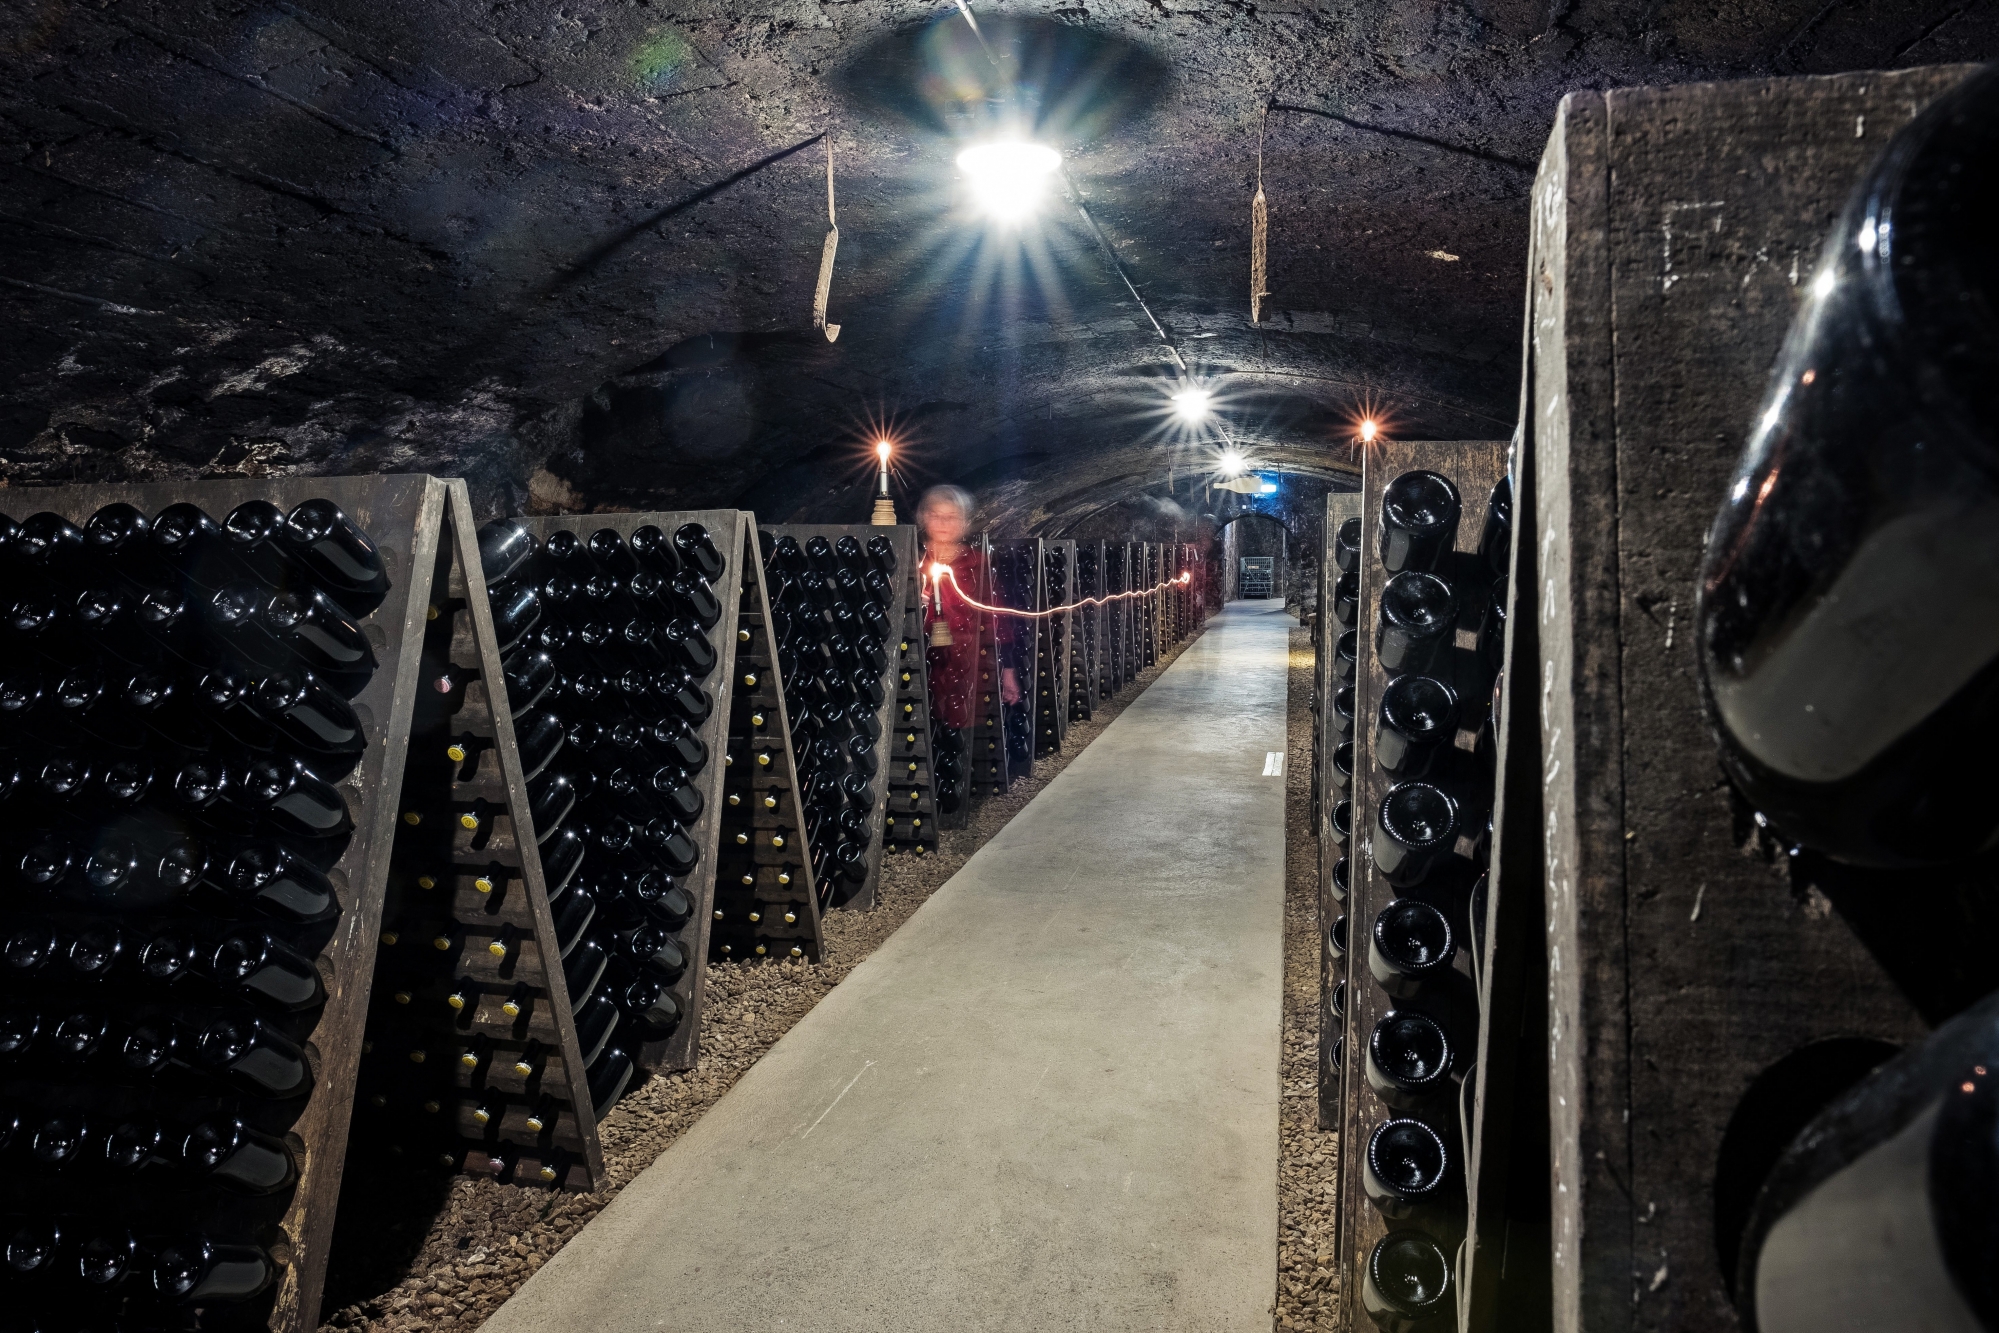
954	668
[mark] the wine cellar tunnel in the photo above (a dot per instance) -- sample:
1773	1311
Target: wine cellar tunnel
942	665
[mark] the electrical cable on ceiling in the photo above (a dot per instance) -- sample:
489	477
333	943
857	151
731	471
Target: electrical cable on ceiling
825	289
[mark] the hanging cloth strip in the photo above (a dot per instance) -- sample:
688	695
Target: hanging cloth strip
825	288
1259	232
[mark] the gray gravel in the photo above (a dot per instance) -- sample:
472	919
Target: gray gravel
1307	1157
486	1238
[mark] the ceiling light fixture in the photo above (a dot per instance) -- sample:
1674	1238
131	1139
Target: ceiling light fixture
1193	405
1233	463
1009	179
1368	430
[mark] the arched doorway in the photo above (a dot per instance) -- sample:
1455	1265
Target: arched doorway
1250	535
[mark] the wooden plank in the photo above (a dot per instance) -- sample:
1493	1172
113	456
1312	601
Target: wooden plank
1673	231
767	895
1472	466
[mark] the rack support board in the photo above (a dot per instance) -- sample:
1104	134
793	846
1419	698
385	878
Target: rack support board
1690	963
734	536
1473	467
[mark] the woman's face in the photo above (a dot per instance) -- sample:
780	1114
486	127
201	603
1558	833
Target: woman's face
944	524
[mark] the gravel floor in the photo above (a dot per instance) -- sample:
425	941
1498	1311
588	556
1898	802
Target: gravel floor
409	1262
1307	1156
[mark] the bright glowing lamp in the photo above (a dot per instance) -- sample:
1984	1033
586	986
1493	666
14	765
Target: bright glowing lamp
1269	488
1192	405
1009	179
1232	463
1368	430
881	451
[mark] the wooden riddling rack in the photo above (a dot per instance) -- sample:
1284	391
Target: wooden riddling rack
1674	976
916	782
1086	629
1472	467
1328	790
902	783
1002	737
421	527
468	934
733	536
1053	653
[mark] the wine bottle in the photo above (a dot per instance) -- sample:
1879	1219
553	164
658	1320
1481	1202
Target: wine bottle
115	537
516	613
505	548
1346	654
33	1246
1410	947
20	1031
528	675
551	796
596	1020
652	1006
230	1154
696	598
584	968
1342	879
167	958
1408	1059
311	719
78	1036
1404	1168
243	1048
280	794
561	858
1417	722
132	1146
1336	938
1419	612
1407	1285
654	551
1341	720
260	966
251	534
1848	617
572	916
1346	546
608	1078
1340	823
106	1259
51	551
539	737
655	951
97	952
268	878
337	555
58	1141
1419	521
198	1271
1343	766
1415	829
1879	1214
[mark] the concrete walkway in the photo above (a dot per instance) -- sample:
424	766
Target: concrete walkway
1048	1102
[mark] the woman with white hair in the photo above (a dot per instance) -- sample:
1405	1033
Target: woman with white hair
951	626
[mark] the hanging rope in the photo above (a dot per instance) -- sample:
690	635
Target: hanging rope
1259	232
825	289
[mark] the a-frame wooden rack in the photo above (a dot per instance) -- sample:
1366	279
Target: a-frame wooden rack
435	614
904	800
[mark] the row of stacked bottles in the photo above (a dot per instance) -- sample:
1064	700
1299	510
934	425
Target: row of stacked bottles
179	695
1052	651
1435	632
836	607
919	774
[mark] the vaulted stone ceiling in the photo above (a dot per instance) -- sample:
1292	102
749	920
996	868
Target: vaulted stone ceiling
569	249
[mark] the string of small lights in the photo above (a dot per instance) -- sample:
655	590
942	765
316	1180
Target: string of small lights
937	573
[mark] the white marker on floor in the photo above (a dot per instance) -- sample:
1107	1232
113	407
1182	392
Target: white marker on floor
1273	764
